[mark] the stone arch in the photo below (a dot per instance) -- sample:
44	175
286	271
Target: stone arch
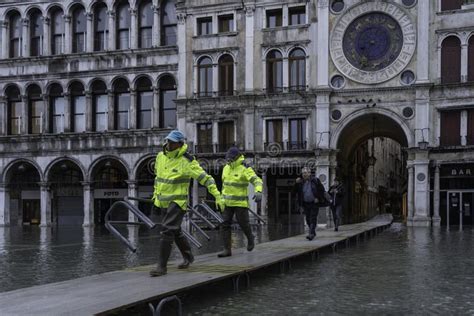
96	163
50	166
139	163
395	118
8	168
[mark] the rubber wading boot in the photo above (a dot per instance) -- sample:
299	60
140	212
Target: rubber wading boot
250	244
250	238
312	232
336	225
165	251
185	250
227	238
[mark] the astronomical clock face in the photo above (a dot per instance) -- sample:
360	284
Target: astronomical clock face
373	42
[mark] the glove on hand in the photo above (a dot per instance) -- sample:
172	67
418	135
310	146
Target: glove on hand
220	204
257	197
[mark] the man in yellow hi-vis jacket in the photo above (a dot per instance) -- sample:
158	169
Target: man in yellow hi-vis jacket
236	177
174	168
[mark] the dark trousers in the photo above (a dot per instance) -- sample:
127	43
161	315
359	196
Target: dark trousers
171	222
242	215
336	213
311	211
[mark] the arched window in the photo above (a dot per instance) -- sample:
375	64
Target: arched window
36	34
297	71
274	72
169	23
57	32
79	30
99	106
101	27
13	110
145	25
144	103
35	110
121	104
226	75
470	63
57	105
15	34
78	104
205	77
123	26
447	5
451	60
167	102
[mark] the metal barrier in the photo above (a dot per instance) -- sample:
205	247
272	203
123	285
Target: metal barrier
121	205
144	220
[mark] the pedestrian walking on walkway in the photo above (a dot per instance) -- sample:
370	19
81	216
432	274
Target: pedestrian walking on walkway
336	191
174	168
310	195
235	181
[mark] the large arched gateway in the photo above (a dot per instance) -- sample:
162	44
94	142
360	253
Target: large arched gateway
371	161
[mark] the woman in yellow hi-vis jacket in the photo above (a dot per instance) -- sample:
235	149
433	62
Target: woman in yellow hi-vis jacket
174	168
235	181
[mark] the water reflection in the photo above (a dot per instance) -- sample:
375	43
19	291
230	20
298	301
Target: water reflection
34	255
401	271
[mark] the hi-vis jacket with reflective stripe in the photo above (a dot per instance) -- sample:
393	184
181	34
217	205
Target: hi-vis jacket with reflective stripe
173	170
235	180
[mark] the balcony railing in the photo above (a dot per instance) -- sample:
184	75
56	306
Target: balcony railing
274	146
297	88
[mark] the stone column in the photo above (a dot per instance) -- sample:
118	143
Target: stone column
156	30
464	63
111	111
5	44
155	110
25	38
132	192
3	116
133	109
249	48
133	28
422	193
249	127
88	208
423	51
67	112
322	121
112	31
90	32
422	104
436	198
45	204
464	128
45	120
24	124
182	62
4	205
323	43
67	34
89	111
46	36
286	79
410	194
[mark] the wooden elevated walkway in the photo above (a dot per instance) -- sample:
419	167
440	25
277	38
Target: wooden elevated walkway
112	291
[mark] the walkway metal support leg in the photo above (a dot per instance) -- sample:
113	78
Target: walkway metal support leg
285	264
157	311
236	280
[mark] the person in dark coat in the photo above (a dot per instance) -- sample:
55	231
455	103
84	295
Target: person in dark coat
310	195
336	191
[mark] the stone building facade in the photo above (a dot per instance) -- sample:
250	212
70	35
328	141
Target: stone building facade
377	93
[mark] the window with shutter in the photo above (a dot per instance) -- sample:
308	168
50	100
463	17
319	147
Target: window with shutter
450	128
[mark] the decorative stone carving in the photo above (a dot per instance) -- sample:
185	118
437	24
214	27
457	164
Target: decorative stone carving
375	41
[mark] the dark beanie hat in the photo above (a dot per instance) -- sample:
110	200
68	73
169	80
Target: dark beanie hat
232	153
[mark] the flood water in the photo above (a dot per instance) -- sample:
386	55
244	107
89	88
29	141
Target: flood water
34	255
400	271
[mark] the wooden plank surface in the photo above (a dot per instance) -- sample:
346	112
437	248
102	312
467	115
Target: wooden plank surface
119	289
